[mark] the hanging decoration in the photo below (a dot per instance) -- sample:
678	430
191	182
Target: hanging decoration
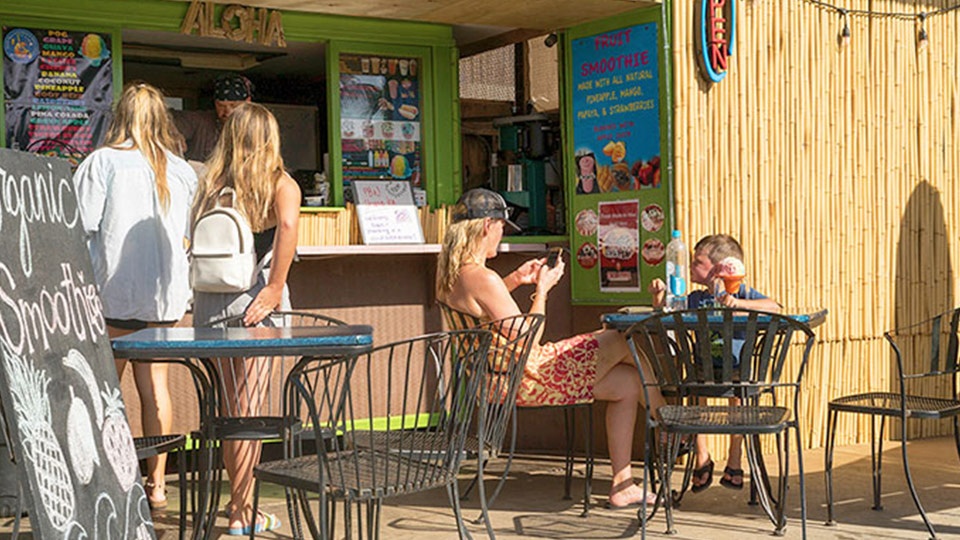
919	17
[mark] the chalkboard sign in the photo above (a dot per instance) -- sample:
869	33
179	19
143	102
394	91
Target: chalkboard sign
387	212
58	383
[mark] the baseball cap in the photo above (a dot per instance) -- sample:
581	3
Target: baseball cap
232	88
481	203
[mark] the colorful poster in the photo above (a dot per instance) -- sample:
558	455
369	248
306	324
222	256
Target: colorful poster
616	111
619	197
380	118
58	90
619	242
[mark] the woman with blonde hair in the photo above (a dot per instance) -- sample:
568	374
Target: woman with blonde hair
135	196
247	159
579	369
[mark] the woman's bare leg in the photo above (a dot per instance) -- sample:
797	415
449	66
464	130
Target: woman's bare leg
245	387
156	410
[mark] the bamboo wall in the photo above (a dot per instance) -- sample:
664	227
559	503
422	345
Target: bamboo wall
838	168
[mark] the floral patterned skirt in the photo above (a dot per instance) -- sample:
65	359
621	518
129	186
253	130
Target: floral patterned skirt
561	373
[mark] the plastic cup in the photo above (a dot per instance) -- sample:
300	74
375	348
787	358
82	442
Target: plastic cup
732	283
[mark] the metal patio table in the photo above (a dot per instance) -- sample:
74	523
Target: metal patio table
197	349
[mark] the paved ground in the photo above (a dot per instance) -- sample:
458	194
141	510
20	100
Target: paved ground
531	506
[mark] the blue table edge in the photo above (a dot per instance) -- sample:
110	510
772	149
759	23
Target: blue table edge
621	318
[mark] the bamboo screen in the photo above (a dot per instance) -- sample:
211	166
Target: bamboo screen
838	168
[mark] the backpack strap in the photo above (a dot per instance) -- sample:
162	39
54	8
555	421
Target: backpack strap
227	191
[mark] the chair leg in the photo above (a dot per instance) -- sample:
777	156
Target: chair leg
876	459
828	462
665	466
803	487
506	470
760	476
783	447
913	489
569	425
182	478
956	434
482	493
588	445
453	493
256	507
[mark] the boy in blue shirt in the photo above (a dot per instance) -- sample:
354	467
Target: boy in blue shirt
709	251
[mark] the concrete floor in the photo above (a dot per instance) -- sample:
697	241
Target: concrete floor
531	505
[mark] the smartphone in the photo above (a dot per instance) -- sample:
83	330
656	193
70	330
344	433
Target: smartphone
553	257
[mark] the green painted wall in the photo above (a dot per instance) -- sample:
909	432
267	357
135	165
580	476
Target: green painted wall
432	42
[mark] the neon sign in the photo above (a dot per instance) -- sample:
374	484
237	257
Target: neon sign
717	26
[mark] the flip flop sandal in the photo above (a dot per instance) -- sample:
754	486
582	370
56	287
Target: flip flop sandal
706	469
156	504
270	523
733	474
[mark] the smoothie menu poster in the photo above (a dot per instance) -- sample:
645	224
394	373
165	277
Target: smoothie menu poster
380	118
620	199
58	89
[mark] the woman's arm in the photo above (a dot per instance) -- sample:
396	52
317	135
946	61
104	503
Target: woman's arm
286	206
525	274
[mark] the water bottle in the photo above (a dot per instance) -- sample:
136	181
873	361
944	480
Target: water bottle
678	273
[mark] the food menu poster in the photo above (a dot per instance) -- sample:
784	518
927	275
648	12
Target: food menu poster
620	200
380	118
58	90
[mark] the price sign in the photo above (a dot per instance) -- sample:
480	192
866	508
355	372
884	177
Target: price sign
387	212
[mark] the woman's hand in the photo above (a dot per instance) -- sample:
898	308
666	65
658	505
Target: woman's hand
266	301
548	277
526	274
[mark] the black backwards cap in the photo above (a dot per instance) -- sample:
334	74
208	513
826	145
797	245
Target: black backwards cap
482	203
232	88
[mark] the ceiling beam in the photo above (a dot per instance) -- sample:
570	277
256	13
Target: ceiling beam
499	40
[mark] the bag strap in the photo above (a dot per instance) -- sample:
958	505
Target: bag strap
227	190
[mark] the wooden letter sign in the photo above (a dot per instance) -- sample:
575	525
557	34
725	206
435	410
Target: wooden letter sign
238	23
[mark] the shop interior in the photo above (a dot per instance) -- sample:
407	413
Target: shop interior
510	133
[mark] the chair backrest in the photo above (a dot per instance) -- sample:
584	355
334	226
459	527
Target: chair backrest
255	386
711	350
513	340
400	413
928	348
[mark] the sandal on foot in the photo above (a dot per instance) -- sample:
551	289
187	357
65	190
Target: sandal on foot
705	469
156	503
270	522
734	474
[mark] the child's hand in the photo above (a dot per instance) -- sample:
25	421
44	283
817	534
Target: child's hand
658	290
728	300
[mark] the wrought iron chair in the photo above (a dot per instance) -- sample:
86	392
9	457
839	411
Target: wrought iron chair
386	423
494	445
714	351
924	352
152	446
251	408
513	339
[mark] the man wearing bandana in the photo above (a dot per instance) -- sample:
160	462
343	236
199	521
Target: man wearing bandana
201	129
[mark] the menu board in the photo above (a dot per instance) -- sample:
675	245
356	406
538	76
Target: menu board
619	197
380	118
57	89
386	212
58	382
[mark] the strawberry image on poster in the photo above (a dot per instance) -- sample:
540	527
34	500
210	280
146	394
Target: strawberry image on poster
587	256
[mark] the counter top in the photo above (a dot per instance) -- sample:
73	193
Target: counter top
403	249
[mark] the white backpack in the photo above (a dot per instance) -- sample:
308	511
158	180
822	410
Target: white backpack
222	256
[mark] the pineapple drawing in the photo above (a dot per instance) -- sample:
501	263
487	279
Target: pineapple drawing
39	444
117	440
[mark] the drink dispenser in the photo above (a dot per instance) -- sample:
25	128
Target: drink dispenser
520	174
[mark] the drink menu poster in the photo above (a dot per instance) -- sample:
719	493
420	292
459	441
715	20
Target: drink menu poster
380	118
619	196
58	90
